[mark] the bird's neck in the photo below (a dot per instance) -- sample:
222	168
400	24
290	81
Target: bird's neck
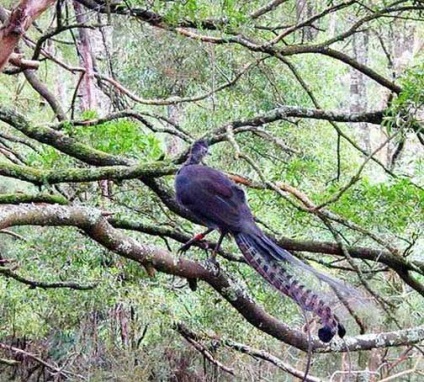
192	159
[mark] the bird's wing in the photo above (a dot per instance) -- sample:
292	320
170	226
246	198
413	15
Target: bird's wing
213	197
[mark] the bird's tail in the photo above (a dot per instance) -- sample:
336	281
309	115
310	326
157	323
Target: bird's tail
266	258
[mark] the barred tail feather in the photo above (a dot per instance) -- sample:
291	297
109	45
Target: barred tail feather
265	257
279	254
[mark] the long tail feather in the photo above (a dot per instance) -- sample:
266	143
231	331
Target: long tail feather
281	255
266	258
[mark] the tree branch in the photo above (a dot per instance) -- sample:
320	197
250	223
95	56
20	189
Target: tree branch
192	339
44	92
7	272
77	175
60	141
55	369
96	226
28	198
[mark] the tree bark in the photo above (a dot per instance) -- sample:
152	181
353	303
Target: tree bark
18	23
87	90
358	89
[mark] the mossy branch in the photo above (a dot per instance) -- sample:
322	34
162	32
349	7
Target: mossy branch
77	175
61	141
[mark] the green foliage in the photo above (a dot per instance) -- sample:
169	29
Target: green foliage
122	329
404	108
47	158
412	95
121	137
392	206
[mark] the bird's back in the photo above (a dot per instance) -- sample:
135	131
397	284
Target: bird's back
213	198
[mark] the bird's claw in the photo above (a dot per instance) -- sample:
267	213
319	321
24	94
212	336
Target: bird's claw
213	265
185	247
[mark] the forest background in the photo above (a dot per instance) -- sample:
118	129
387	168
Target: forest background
315	107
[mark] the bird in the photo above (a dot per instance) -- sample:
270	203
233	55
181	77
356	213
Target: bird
220	204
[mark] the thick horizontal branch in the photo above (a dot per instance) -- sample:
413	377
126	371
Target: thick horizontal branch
96	226
28	198
78	150
381	340
77	175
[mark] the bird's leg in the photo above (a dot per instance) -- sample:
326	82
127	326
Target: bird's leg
216	249
212	258
194	239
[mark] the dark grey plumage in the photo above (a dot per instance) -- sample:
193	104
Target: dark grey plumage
220	204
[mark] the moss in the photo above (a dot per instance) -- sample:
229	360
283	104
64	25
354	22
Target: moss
41	177
28	198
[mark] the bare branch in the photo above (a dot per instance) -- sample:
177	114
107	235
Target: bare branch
262	354
192	340
7	272
37	359
267	8
44	92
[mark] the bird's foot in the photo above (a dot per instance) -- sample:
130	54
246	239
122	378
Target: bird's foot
213	265
185	247
196	239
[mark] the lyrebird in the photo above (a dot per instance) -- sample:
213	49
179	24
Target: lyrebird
219	204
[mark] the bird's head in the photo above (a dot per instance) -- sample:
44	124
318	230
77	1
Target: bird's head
199	150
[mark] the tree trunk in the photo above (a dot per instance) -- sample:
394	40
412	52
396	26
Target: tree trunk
18	23
304	10
87	88
358	90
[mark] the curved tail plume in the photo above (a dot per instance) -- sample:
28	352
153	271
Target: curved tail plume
266	258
